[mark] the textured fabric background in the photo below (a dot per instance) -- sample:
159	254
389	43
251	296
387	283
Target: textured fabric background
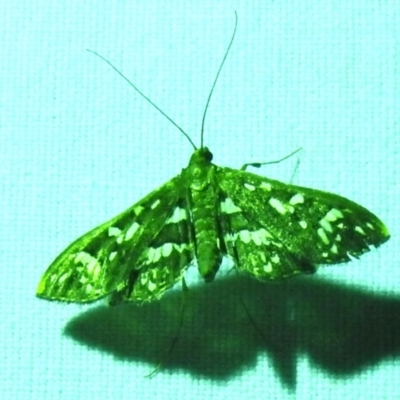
78	146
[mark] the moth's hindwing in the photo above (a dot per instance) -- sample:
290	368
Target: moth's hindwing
274	230
129	250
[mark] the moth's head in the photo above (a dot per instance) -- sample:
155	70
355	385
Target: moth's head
201	156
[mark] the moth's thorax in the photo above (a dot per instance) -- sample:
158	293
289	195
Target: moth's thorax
198	174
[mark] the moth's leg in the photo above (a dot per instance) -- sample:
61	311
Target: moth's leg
296	168
185	293
258	165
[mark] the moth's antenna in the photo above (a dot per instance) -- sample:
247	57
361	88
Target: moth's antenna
215	81
144	96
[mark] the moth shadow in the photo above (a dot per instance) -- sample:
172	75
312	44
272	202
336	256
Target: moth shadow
342	330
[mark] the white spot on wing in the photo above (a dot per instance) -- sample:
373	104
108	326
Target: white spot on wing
138	209
266	233
326	225
155	204
151	286
275	203
279	206
63	277
91	266
249	187
178	215
90	263
360	230
267	268
114	231
296	199
89	288
333	214
154	254
245	236
131	231
166	249
229	207
334	249
275	259
266	186
120	239
84	258
143	278
80	257
258	237
303	224
180	247
322	235
228	237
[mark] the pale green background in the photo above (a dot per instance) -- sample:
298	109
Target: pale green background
78	146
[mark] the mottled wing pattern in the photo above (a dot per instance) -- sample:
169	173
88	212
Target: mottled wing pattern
164	260
122	254
254	249
275	230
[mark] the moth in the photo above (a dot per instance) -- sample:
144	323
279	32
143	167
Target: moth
269	229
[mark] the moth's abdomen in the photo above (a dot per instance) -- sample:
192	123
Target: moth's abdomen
206	228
